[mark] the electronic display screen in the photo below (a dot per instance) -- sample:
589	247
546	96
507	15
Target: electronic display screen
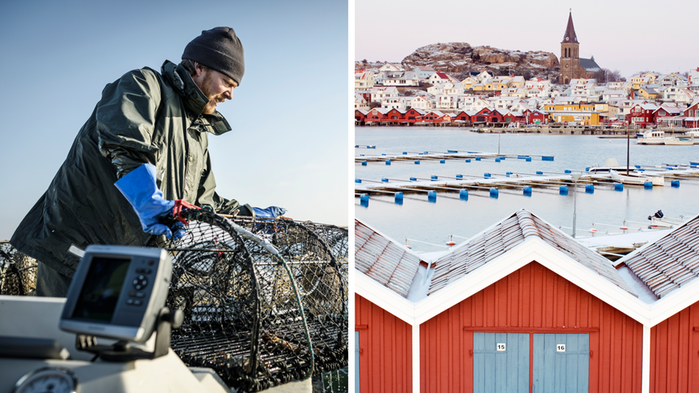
101	289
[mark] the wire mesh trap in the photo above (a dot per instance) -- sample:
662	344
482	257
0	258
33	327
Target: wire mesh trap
263	306
17	271
317	257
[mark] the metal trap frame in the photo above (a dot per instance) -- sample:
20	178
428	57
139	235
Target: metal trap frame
265	301
17	272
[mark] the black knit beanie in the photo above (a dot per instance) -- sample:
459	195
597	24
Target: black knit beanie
219	49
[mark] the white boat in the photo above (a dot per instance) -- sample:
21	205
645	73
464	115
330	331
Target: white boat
651	137
674	141
637	178
655	137
610	165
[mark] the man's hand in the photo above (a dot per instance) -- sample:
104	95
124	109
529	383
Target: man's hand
269	212
154	212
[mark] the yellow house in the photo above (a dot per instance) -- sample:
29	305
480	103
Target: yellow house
517	82
468	83
583	114
648	93
497	84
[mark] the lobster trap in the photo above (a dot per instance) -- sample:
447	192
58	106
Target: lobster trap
265	302
17	271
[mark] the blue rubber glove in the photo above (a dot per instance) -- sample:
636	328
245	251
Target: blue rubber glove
140	189
270	212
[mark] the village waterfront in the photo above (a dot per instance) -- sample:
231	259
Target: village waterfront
427	225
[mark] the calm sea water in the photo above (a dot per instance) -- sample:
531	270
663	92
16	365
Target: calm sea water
428	225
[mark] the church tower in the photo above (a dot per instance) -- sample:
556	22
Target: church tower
570	60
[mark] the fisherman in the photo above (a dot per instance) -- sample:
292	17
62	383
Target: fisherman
144	147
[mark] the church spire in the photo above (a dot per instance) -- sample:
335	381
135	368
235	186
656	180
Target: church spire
570	37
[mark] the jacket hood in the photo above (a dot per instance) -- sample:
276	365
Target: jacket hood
194	99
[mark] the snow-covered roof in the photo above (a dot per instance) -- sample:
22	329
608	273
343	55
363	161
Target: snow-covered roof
506	235
670	262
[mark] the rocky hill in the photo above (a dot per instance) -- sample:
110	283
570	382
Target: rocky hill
460	58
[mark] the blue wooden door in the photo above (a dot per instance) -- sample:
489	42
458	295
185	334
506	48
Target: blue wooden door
500	362
561	363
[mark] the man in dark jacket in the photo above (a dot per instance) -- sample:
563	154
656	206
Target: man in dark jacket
144	146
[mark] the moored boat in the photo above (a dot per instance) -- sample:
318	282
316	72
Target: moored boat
637	178
651	137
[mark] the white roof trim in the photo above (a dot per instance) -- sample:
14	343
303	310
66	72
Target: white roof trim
533	249
384	297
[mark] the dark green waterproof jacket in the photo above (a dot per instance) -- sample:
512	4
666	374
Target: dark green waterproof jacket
143	117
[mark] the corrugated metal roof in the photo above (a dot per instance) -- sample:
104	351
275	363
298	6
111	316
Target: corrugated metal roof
506	235
669	262
383	260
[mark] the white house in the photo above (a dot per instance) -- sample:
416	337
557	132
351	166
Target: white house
420	102
364	80
423	72
438	77
399	103
379	93
360	102
402	78
391	67
680	95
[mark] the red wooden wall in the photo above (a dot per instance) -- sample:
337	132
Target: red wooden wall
674	353
532	299
385	344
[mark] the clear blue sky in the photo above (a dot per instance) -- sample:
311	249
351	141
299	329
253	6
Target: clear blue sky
289	144
628	36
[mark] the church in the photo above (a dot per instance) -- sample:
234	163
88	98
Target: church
572	66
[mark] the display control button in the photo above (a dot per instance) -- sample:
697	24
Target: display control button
140	282
144	271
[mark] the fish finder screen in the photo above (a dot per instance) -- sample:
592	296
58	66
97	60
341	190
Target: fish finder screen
101	290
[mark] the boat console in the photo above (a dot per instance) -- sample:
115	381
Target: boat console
118	294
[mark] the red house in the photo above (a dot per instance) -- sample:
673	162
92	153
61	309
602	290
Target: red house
463	116
666	111
487	115
394	116
360	116
523	304
414	115
642	114
375	115
436	117
692	115
535	117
